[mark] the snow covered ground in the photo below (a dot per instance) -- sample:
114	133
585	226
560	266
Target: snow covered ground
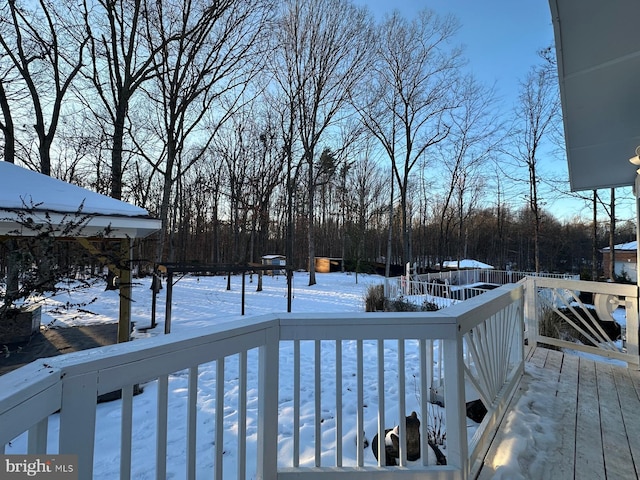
204	301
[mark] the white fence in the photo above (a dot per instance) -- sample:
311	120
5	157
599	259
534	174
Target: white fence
488	275
50	406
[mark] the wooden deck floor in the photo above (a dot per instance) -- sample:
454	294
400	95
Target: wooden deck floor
593	410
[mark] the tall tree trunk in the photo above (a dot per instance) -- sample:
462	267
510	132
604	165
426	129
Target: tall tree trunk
116	152
7	128
387	271
310	229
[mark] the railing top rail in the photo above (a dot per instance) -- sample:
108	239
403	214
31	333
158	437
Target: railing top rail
367	326
26	382
150	349
472	312
582	285
32	392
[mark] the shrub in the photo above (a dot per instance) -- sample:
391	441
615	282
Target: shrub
400	305
374	299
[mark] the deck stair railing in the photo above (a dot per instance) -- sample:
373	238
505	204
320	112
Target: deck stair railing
316	428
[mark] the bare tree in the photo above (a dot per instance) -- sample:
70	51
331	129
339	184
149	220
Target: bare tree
47	48
323	52
7	126
122	62
410	90
536	113
366	187
208	66
473	135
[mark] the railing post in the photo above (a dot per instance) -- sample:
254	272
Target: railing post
267	447
531	310
78	420
454	399
632	340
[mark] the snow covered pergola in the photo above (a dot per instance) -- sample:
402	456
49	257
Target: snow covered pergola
49	201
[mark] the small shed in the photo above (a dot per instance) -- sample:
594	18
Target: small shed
328	264
277	261
626	260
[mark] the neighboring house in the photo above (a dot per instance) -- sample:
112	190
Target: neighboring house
625	262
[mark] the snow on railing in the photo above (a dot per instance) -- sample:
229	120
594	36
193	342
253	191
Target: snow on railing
591	317
296	396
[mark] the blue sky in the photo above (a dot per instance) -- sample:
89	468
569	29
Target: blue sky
500	37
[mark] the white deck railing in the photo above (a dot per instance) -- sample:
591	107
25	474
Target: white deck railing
447	287
581	316
483	275
475	345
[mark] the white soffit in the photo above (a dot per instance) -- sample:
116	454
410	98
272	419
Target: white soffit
598	50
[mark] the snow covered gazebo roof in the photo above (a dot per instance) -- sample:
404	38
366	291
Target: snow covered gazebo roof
42	196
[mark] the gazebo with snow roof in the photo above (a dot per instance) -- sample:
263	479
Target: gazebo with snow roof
51	201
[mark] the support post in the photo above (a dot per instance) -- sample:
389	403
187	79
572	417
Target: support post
243	288
124	323
289	288
167	309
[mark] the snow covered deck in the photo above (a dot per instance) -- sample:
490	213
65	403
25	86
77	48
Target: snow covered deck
588	411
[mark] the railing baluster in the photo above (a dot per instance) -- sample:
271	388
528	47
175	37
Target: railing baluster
381	426
296	403
317	390
242	416
38	437
426	364
360	401
402	409
161	425
219	436
192	416
338	363
125	433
